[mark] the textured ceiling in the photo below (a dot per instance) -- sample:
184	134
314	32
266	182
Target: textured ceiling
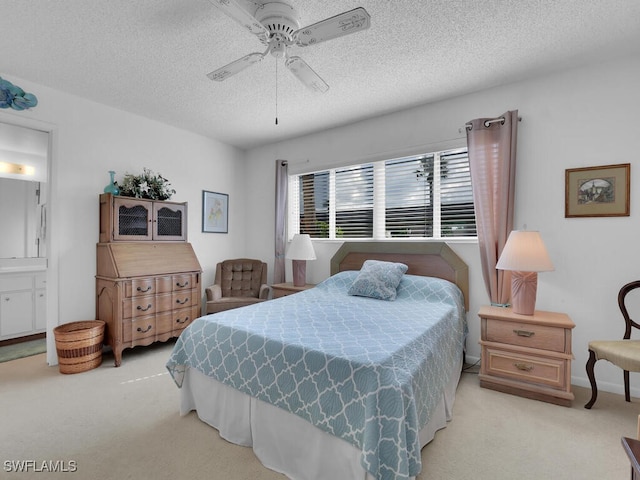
151	57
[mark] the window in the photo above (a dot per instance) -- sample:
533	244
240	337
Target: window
354	202
421	196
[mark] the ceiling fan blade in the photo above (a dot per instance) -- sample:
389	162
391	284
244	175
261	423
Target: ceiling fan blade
343	24
233	9
234	67
306	75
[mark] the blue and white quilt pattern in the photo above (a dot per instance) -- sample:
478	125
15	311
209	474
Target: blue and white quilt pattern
365	370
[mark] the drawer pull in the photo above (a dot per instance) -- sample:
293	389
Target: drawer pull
145	330
523	366
143	309
186	319
182	285
524	333
182	302
140	289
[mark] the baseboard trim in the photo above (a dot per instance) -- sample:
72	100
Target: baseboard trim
28	338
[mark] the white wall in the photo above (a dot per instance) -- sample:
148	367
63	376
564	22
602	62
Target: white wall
89	139
576	118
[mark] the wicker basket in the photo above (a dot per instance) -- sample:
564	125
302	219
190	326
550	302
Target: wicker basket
79	345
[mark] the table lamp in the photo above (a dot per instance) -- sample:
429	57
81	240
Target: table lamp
525	255
300	250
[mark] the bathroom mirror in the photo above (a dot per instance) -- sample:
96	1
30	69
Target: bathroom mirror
23	182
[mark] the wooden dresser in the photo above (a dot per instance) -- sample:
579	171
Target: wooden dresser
146	292
526	355
147	284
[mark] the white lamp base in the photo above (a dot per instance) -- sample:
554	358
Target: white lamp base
524	286
299	272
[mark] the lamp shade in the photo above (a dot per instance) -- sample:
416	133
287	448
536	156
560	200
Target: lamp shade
301	248
525	252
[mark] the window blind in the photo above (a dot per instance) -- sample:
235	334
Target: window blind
354	202
422	196
408	197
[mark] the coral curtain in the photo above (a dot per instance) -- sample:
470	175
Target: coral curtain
281	220
492	159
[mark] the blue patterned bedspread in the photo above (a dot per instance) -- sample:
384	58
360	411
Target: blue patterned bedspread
365	370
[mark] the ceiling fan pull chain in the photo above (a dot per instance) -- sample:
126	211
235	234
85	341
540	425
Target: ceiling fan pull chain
276	91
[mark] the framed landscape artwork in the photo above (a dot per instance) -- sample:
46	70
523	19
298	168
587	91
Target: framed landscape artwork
597	191
215	212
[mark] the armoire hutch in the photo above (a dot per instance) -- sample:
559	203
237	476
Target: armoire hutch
148	276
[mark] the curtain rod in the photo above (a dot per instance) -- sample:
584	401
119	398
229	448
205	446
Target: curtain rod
467	126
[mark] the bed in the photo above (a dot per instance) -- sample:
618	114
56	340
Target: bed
330	383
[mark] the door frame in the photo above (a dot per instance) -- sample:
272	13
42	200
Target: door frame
51	243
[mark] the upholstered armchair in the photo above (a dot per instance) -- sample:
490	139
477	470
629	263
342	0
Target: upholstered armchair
238	282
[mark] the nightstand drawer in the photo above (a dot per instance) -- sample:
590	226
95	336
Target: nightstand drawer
526	335
283	289
529	368
278	293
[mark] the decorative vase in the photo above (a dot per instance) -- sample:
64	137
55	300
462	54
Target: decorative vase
112	188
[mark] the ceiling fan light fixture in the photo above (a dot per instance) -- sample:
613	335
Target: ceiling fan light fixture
278	46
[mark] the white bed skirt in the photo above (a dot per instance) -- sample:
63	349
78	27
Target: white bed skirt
283	441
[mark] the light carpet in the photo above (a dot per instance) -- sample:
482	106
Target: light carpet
123	423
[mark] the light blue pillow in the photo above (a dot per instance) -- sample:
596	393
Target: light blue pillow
378	279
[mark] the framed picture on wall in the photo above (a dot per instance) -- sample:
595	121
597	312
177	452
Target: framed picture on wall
215	212
597	191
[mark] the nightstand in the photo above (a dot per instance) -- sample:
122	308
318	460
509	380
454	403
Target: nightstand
527	355
284	289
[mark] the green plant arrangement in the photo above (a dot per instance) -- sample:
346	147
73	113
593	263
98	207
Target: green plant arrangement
147	185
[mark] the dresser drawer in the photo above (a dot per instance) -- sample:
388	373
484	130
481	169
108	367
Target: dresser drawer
139	328
140	287
147	286
526	335
527	368
184	317
184	282
183	299
175	321
141	306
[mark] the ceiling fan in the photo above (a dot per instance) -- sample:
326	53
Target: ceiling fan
277	26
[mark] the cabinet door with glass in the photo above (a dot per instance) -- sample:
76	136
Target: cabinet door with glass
169	221
132	219
139	219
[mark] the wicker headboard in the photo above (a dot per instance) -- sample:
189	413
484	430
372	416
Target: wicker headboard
429	259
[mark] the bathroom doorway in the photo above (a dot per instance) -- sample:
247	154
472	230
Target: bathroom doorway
24	180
